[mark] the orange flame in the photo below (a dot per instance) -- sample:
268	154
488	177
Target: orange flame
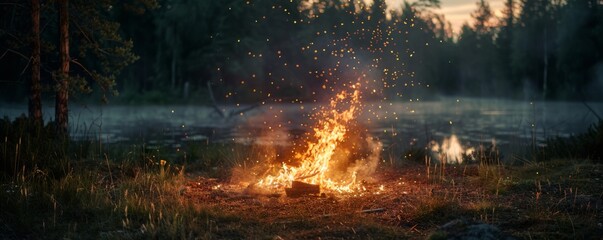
330	132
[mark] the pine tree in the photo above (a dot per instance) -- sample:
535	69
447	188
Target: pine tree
534	43
62	76
476	53
580	46
35	87
101	53
504	41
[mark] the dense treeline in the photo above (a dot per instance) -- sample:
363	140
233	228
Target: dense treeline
288	50
65	45
540	48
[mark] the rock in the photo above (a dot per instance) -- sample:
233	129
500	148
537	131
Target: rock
464	229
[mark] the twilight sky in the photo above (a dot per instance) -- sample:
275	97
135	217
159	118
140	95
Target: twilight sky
458	11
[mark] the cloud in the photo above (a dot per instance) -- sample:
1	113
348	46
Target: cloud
455	11
459	12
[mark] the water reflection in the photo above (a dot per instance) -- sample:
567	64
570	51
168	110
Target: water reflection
398	125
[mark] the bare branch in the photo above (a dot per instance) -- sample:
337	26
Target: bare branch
233	112
246	109
13	4
13	36
26	66
89	39
591	110
82	31
214	104
82	66
18	54
44	28
15	52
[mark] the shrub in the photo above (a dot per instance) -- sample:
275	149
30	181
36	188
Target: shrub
587	145
26	146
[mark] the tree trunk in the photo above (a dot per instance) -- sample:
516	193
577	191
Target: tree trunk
546	65
62	97
35	89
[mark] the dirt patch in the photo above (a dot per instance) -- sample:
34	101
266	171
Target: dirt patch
408	203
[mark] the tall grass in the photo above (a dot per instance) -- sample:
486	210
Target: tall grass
53	188
587	145
87	203
26	147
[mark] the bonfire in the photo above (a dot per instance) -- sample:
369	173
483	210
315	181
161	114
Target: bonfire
316	161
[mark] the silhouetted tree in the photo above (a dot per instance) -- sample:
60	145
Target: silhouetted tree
504	45
534	41
477	53
35	86
62	76
580	46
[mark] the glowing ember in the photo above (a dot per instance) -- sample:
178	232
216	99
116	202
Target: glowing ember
315	163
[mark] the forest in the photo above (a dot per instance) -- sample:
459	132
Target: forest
538	49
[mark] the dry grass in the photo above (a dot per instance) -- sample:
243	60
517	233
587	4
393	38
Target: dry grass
519	200
135	196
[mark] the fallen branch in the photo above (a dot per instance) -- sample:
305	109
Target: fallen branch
373	210
232	113
214	104
591	110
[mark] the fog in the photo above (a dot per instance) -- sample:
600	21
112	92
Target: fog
511	124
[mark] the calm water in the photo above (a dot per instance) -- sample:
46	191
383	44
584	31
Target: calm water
475	121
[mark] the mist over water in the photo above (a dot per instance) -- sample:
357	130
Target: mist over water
512	124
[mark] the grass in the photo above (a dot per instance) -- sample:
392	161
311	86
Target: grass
74	190
106	201
587	145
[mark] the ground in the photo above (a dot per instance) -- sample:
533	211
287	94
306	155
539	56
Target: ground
120	200
554	200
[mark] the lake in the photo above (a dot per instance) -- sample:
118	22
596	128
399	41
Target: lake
511	124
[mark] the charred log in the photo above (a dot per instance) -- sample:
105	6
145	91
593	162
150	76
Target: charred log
299	189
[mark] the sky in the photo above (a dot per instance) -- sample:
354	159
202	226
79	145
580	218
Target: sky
458	12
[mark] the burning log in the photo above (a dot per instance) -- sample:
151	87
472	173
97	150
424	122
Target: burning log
299	189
